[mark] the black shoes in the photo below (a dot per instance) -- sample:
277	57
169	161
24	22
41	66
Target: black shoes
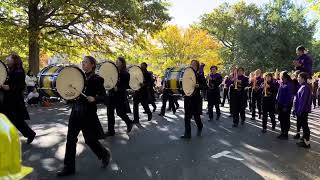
263	130
65	172
303	144
210	119
185	137
235	125
31	138
218	117
297	136
283	137
161	114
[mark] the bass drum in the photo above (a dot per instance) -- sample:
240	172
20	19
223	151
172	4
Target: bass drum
66	82
136	77
3	73
180	81
109	72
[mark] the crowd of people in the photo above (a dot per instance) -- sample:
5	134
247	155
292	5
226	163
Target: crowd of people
267	92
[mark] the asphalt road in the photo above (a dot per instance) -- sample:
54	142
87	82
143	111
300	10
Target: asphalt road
155	151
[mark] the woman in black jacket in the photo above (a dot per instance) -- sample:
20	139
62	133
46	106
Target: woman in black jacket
193	104
118	99
84	118
13	104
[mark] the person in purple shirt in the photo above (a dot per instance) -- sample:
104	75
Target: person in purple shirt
284	103
214	80
303	61
269	92
226	85
296	86
238	96
256	94
303	104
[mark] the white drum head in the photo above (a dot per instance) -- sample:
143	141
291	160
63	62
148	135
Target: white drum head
189	81
70	83
3	73
109	72
136	77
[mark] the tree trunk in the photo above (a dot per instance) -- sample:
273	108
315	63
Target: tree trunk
34	51
34	36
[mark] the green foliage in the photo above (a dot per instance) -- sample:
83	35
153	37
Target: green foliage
74	27
173	47
259	37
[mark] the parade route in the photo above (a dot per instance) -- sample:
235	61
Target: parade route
154	150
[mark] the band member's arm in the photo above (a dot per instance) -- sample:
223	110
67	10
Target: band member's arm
101	92
202	82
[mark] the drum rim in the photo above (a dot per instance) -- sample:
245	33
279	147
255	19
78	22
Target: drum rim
195	75
114	64
61	67
131	66
81	72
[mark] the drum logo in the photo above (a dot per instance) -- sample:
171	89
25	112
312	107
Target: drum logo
70	94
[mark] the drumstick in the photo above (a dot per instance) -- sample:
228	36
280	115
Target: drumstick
78	91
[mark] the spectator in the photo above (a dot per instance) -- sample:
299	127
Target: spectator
31	81
33	97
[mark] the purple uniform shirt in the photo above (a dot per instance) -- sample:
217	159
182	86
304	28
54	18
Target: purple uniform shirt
306	63
285	95
303	99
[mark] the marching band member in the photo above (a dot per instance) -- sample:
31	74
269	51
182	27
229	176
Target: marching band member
84	118
249	90
166	96
226	84
13	101
296	87
118	98
214	80
142	95
192	104
303	62
268	101
238	96
315	84
284	103
303	103
256	94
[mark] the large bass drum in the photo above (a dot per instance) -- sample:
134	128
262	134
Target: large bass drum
136	77
67	82
3	73
109	72
180	81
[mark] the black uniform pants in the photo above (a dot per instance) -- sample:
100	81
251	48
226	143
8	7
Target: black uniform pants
192	108
303	119
71	147
144	102
284	118
256	103
121	109
268	108
211	103
225	96
19	122
238	107
166	98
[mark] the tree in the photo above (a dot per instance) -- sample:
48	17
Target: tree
173	47
259	37
91	24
